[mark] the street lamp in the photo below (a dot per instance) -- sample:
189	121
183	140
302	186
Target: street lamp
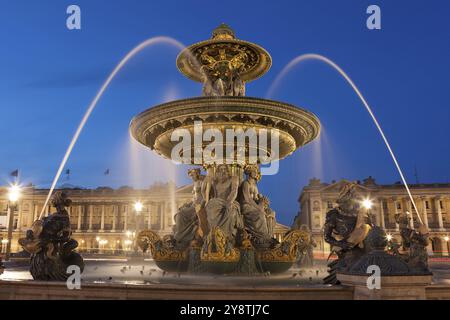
14	193
367	203
389	237
138	206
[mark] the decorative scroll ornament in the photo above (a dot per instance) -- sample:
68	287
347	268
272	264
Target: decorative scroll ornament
218	249
293	242
161	249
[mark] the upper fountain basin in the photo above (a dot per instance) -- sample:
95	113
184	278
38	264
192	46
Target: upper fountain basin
155	126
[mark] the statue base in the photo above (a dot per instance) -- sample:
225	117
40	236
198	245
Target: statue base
218	259
392	287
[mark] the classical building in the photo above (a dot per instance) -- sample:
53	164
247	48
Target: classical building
104	220
432	200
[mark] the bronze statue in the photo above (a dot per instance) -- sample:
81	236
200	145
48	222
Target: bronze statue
221	77
345	229
50	244
413	248
254	207
222	209
270	216
306	253
190	221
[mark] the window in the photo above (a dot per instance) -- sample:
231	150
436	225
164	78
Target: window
427	205
399	206
441	204
330	205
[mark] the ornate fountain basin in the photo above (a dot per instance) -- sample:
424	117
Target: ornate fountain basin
155	126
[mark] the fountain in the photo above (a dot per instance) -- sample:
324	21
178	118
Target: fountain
227	228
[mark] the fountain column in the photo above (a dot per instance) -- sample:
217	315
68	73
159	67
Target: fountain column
437	203
102	221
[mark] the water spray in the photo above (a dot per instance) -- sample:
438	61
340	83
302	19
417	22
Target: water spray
94	102
312	56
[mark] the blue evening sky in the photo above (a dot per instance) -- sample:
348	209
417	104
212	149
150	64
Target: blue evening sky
49	75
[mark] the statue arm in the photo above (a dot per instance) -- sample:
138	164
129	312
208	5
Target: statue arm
247	195
206	189
330	225
234	190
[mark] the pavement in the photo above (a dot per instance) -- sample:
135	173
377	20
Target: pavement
145	272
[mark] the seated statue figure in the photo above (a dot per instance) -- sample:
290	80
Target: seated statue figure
222	209
414	243
50	244
270	216
254	207
346	227
186	220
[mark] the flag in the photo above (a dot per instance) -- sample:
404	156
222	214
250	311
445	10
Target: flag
68	174
15	173
107	172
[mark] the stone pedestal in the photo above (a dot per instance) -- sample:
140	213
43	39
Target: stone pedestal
392	287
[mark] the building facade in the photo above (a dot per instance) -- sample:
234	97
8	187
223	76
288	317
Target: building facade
103	220
432	201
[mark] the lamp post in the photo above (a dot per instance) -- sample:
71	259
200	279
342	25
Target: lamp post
14	194
138	207
368	204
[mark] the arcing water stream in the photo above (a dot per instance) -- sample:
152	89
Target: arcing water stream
312	56
132	53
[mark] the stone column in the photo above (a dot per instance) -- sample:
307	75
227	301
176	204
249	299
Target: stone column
79	218
36	212
425	215
382	224
411	210
149	222
444	246
91	216
437	201
102	221
397	227
19	215
125	220
162	216
115	211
